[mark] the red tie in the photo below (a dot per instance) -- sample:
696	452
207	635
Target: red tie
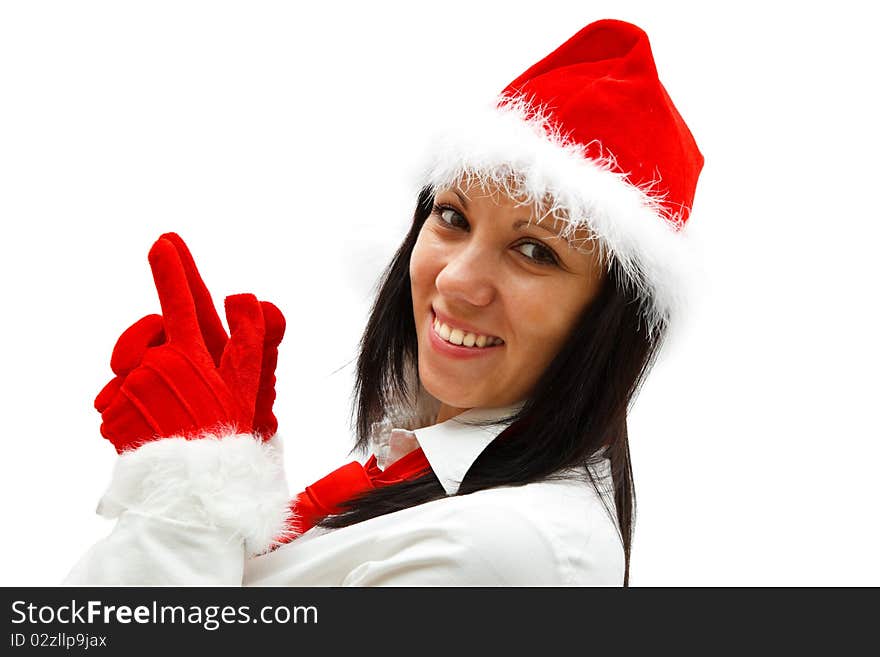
325	496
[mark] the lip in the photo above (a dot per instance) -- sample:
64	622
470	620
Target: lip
452	350
456	324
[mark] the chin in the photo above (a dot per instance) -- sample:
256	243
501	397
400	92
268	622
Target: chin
447	387
445	394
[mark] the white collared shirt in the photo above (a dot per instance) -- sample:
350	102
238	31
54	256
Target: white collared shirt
451	447
550	533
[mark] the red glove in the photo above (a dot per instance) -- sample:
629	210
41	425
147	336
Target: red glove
180	374
264	421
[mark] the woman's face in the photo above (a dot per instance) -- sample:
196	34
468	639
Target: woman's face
504	291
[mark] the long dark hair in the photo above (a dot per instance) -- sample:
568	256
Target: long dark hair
578	405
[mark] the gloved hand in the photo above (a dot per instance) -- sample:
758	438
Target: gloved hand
179	373
216	339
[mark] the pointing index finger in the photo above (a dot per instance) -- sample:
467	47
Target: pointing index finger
178	306
209	321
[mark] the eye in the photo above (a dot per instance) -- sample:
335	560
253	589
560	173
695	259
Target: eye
538	254
545	255
447	215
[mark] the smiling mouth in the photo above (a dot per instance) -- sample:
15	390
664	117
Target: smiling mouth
462	338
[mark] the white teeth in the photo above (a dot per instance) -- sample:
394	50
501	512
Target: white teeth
458	337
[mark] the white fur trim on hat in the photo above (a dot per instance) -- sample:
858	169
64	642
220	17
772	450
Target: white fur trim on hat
226	480
517	149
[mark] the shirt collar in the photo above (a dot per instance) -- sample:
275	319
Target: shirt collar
451	447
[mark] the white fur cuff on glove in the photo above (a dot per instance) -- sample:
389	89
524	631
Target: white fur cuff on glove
229	481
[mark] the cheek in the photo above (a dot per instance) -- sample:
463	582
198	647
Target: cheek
546	317
424	266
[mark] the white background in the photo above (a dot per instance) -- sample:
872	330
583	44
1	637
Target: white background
279	139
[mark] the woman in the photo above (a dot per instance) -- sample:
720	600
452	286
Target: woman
543	267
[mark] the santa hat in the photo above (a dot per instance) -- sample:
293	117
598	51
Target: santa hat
590	135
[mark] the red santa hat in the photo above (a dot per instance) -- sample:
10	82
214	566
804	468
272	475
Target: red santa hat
590	135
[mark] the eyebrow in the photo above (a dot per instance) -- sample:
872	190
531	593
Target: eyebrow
523	222
517	224
567	240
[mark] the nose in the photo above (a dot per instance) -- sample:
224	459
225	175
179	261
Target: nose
469	275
